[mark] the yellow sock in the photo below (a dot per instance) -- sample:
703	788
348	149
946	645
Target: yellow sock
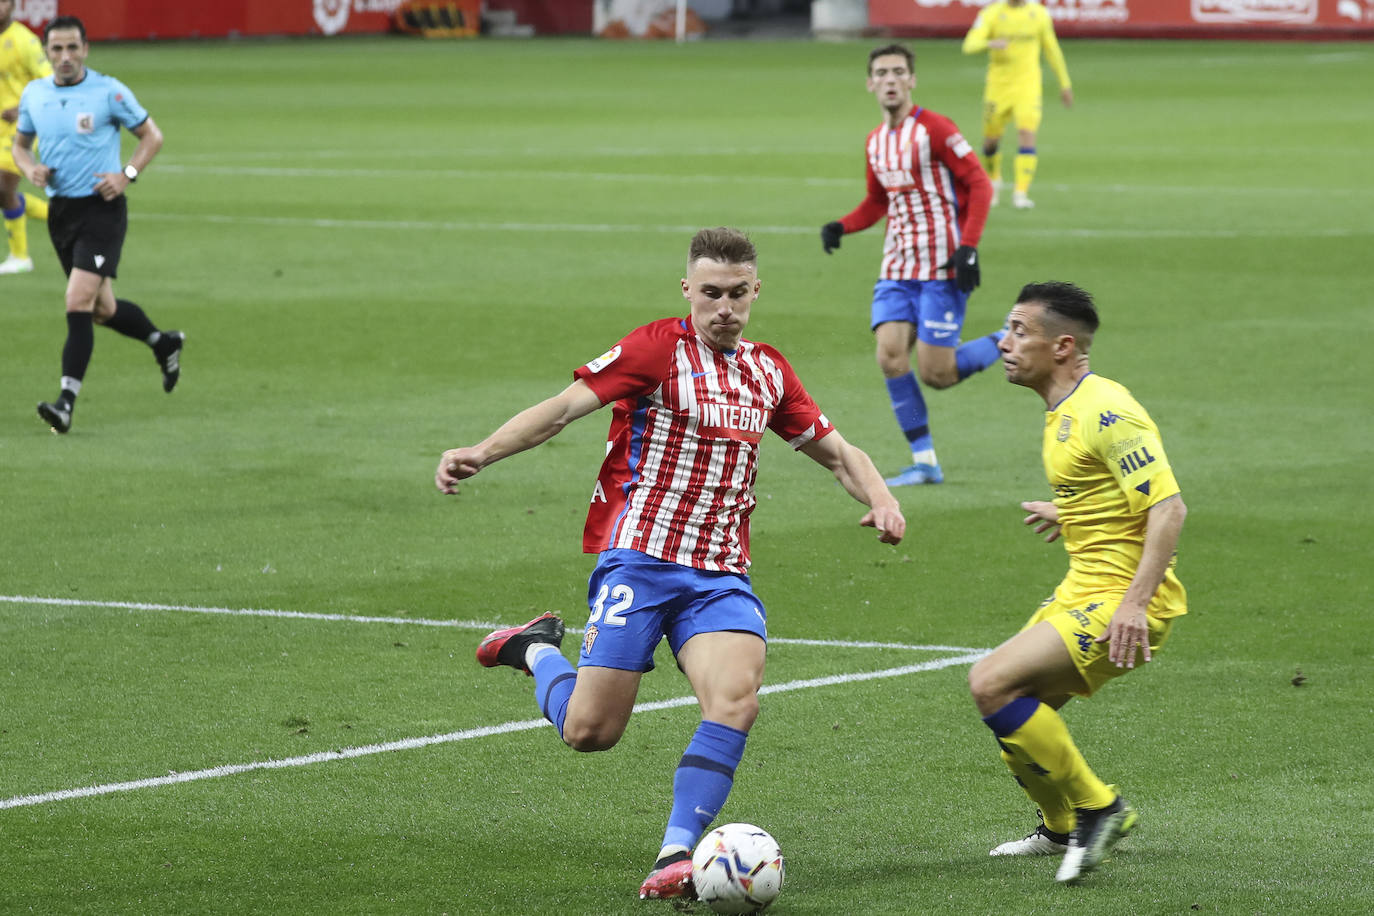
1057	812
1025	169
1035	734
35	206
18	232
993	164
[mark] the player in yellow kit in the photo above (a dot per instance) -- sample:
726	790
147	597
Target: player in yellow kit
1118	508
21	60
1014	33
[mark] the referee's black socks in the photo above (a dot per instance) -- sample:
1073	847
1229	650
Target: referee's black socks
131	321
76	354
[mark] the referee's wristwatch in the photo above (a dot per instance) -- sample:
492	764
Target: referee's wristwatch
131	173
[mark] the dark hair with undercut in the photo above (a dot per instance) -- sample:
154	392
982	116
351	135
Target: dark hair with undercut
64	22
723	244
1063	300
885	50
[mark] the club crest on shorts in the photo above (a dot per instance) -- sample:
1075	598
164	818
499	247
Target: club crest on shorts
589	639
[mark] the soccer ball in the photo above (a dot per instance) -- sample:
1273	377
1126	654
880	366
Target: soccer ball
737	868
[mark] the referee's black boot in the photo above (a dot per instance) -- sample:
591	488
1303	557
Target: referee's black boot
167	350
58	416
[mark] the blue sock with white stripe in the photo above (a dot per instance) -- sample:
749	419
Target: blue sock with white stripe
554	680
910	408
977	355
703	781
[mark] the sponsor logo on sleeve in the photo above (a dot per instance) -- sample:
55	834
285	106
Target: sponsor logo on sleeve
605	359
1136	461
959	146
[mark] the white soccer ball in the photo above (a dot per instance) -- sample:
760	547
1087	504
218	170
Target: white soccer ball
737	868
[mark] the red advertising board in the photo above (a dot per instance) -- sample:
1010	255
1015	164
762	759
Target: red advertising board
149	19
1353	19
143	19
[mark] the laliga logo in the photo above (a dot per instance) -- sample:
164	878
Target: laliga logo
331	15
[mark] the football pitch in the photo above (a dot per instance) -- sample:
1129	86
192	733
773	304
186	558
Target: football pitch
237	623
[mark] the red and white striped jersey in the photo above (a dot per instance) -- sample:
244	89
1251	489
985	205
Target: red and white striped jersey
678	479
927	180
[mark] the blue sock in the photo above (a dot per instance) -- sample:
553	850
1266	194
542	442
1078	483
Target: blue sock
910	408
703	781
554	679
977	355
17	211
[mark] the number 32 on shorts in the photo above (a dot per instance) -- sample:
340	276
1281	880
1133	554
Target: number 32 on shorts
622	597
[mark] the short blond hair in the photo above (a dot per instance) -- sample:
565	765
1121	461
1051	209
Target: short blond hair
723	244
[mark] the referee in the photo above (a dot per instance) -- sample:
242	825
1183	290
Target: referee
75	116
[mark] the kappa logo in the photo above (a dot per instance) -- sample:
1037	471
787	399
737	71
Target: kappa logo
605	359
1106	419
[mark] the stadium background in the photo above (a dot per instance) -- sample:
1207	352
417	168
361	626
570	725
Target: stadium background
381	246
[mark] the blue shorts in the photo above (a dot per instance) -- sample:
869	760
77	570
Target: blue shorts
636	600
935	307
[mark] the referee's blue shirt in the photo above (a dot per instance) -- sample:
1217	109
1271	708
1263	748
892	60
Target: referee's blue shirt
78	128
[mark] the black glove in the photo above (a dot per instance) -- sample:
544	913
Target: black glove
830	236
965	266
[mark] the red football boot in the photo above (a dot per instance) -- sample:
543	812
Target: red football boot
507	647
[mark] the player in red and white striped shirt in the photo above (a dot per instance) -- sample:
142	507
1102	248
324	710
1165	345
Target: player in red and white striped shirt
926	179
669	520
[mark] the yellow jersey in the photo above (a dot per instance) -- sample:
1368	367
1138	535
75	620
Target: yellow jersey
1028	30
1106	465
21	61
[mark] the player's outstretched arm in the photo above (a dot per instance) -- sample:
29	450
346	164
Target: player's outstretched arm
1129	629
857	474
530	427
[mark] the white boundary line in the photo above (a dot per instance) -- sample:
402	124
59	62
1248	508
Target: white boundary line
19	801
414	621
671	229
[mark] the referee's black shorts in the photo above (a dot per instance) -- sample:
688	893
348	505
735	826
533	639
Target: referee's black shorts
88	232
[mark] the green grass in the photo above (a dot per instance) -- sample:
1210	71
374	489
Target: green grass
383	248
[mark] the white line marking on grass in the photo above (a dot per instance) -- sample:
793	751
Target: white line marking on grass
629	228
20	801
243	611
563	177
417	621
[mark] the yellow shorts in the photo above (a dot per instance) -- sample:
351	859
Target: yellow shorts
1025	108
1082	617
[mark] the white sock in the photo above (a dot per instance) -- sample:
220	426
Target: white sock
534	650
669	850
